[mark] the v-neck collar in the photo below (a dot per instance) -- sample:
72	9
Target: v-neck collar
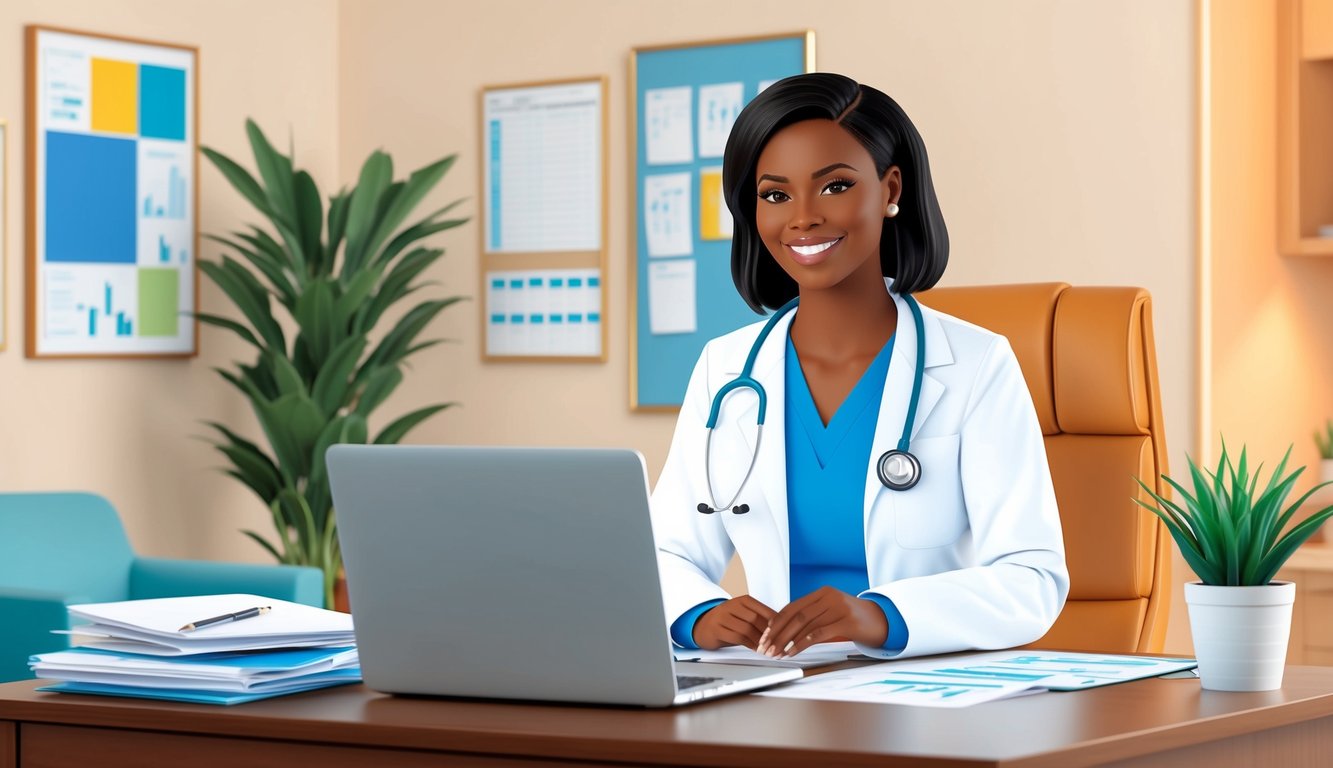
826	438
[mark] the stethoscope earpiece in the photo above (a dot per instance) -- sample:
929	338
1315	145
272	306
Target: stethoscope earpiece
898	469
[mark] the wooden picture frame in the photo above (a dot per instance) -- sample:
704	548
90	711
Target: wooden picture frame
543	234
112	196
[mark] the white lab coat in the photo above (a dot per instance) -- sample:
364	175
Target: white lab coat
972	556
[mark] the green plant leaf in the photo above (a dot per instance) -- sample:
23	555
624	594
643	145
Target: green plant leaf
376	176
240	180
261	541
248	296
379	385
276	171
310	222
334	380
277	277
231	325
421	229
292	262
393	346
418	185
338	205
314	313
292	423
399	428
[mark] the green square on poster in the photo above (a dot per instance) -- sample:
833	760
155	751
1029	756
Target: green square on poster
159	301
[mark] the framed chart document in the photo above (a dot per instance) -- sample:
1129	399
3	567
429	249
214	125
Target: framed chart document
543	211
112	196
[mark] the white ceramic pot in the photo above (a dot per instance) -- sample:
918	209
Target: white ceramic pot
1240	634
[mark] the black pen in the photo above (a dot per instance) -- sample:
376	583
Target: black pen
246	614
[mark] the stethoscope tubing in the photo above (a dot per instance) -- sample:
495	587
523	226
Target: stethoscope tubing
898	469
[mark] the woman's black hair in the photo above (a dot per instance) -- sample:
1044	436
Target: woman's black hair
914	245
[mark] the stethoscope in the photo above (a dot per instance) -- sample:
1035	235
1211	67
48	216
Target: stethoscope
898	469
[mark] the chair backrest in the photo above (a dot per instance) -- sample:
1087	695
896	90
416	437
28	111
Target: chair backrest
67	543
1088	356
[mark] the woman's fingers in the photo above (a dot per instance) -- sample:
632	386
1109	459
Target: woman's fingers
793	623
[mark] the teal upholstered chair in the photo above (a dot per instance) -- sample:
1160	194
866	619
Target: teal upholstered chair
60	549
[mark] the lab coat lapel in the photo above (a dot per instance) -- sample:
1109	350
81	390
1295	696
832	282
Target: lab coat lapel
898	388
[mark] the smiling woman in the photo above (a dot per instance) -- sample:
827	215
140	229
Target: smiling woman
907	504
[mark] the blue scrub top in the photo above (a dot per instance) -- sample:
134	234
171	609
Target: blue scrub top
826	471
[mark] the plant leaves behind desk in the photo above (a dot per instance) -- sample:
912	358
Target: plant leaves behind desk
336	275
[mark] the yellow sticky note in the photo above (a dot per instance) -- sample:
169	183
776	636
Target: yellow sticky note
115	96
714	219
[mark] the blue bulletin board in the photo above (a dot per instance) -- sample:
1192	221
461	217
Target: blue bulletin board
685	99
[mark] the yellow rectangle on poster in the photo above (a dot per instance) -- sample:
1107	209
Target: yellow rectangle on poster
115	96
714	218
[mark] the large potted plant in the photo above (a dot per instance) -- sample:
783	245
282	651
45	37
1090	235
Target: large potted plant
337	278
1230	532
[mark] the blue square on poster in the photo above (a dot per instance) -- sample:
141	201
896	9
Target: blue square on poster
90	188
161	102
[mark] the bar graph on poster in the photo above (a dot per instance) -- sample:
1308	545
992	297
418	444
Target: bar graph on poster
113	189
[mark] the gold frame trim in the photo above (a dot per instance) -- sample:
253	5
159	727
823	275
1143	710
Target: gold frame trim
808	36
542	259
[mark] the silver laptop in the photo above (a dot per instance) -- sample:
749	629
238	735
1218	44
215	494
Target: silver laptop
512	573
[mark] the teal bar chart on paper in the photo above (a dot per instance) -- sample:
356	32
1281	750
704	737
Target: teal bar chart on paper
686	100
960	681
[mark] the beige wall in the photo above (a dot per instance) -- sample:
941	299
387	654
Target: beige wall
1061	133
123	428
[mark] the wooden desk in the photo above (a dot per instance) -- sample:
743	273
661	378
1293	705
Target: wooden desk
1142	723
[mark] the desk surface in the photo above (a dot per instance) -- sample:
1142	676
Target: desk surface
1156	722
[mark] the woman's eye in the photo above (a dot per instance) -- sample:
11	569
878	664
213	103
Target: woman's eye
774	196
838	186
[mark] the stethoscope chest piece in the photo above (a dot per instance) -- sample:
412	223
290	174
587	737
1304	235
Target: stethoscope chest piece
899	470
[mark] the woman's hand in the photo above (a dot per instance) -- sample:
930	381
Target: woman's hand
739	621
823	615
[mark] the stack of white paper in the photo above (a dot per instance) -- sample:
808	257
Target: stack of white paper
142	648
154	626
273	671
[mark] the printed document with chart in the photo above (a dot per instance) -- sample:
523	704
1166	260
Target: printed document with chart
963	680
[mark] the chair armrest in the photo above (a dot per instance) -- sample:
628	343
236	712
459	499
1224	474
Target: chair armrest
160	577
29	616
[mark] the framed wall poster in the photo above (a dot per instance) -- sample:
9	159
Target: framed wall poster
112	196
683	101
543	215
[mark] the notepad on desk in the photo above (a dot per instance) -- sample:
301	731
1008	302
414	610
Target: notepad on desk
963	680
155	626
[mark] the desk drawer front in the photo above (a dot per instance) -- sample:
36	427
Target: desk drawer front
55	746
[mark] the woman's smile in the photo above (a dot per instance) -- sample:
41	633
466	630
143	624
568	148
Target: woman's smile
811	250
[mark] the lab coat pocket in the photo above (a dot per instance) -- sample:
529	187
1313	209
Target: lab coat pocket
931	514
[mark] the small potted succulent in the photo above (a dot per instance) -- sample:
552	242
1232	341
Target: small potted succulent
1230	532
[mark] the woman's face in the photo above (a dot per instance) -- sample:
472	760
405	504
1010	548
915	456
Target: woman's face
821	205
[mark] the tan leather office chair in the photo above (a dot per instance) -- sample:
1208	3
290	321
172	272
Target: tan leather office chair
1088	356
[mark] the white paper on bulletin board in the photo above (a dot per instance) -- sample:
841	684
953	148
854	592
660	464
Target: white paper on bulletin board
542	168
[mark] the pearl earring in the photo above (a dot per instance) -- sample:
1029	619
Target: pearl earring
891	211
